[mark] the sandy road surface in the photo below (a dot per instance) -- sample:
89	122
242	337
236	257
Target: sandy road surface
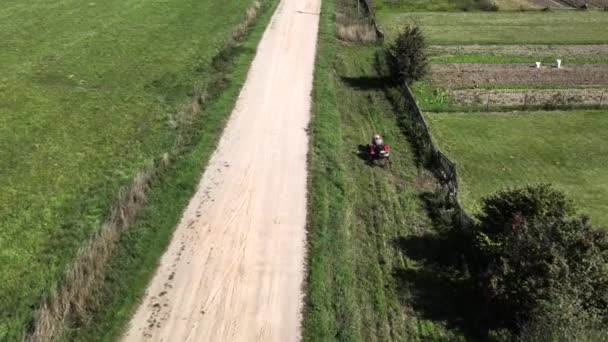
234	269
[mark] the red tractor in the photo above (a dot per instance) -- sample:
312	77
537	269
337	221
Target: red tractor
379	152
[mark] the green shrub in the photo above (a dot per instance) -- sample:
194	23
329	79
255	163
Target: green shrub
501	211
488	5
563	318
406	57
528	249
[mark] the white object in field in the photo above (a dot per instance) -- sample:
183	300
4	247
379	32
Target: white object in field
559	63
537	65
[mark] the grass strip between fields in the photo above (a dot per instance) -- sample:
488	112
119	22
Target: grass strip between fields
364	283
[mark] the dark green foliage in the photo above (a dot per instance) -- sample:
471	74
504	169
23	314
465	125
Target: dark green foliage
406	57
563	318
501	210
530	253
488	5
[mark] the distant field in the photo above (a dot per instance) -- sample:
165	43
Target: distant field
87	91
497	50
424	5
459	5
554	27
495	150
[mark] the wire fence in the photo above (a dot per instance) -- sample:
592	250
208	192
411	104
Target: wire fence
370	8
443	167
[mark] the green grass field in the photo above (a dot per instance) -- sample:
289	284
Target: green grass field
555	27
139	251
87	91
364	284
498	150
424	5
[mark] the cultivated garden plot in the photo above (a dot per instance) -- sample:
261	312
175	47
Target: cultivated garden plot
581	4
474	54
525	54
486	61
525	98
530	50
483	75
509	85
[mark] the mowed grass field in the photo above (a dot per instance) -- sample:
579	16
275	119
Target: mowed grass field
87	94
498	150
424	5
365	281
553	27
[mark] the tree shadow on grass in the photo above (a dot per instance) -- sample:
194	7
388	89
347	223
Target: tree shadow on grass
366	82
438	286
363	154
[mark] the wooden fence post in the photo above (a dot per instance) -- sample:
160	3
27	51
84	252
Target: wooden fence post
488	103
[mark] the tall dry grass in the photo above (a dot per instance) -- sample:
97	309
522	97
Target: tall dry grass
81	279
356	32
76	295
355	22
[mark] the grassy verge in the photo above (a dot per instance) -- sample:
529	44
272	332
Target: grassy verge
500	150
365	282
557	27
140	248
425	6
87	98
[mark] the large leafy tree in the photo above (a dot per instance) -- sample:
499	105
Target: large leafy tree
529	249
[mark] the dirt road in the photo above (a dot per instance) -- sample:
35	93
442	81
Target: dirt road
234	269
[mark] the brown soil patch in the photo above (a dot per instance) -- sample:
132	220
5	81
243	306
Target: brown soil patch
598	3
582	3
478	75
520	4
524	98
556	51
553	4
570	4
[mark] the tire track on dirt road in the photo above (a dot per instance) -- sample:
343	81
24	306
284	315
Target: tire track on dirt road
235	266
